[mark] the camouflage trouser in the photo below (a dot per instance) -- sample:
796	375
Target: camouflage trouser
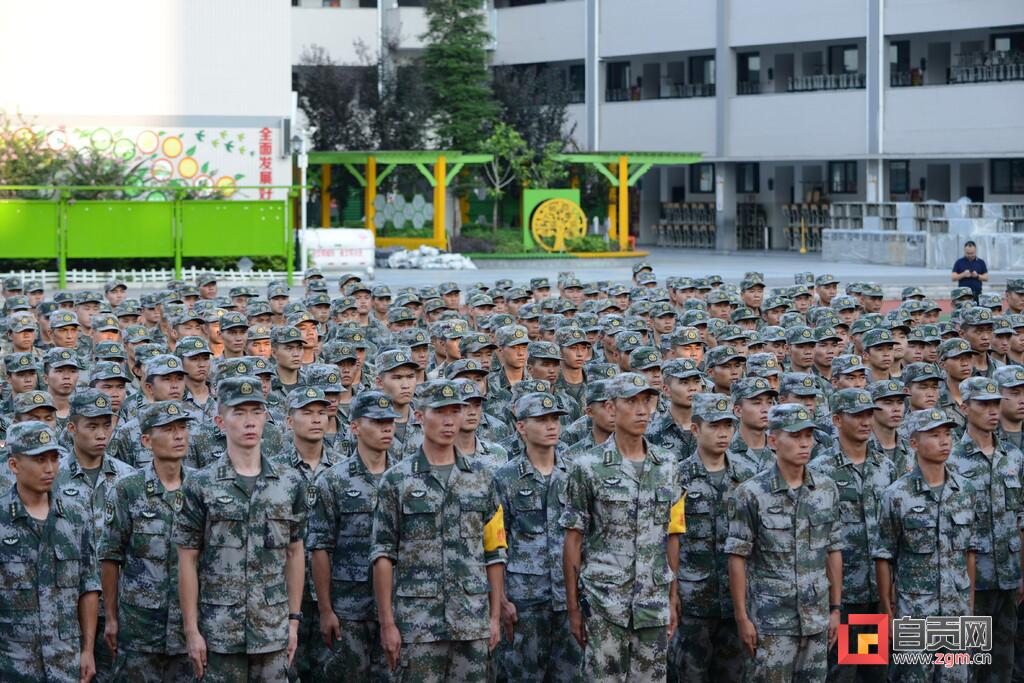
705	649
1001	605
446	661
310	653
101	653
865	673
1018	647
616	654
789	659
267	667
357	656
930	673
543	649
146	667
25	658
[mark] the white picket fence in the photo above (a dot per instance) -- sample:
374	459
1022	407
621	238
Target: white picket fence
152	278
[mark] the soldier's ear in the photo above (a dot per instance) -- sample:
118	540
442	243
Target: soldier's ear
146	442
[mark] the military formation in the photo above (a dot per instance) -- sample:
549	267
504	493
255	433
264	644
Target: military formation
678	479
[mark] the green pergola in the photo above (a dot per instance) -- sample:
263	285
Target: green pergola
629	168
438	167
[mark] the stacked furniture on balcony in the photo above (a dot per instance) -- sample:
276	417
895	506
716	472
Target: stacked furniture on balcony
688	224
751	224
809	218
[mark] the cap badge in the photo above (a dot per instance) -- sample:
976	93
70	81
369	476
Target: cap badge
802	415
172	410
246	388
383	402
447	392
547	402
44	437
638	381
38	398
721	405
311	393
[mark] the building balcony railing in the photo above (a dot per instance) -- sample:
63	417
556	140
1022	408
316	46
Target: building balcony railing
850	81
985	67
576	96
748	88
667	92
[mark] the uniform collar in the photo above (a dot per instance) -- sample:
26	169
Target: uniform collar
420	464
780	485
154	487
225	470
613	457
16	508
75	470
357	468
921	486
525	468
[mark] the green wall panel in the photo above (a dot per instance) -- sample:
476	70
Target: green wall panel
233	228
119	229
28	229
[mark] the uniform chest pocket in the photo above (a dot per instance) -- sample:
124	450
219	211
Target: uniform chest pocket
527	513
613	490
961	523
227	527
277	533
419	515
68	565
16	565
149	536
919	531
1012	492
471	516
699	520
355	514
777	532
820	527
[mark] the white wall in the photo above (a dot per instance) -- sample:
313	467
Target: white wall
122	59
577	116
914	16
659	125
541	33
827	124
407	24
642	26
337	30
757	22
937	120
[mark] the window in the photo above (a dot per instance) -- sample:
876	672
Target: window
702	69
617	86
702	178
842	177
1007	42
899	177
748	73
748	178
1008	176
843	59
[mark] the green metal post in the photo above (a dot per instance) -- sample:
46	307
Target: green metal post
62	239
176	232
289	243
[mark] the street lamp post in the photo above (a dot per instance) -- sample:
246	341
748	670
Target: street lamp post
299	144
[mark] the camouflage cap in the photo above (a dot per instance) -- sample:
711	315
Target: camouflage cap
275	291
720	355
976	316
645	277
751	280
255	309
598	370
927	420
438	393
233	319
127	308
571	336
804	278
626	341
684	336
730	333
763	365
396	358
644	358
90	403
401	314
718	296
12	283
979	389
1015	285
951	348
827	279
30	400
412	337
800	334
961	293
527	386
337	351
62	296
1002	325
463	366
537	404
233	391
375	405
847	363
749	387
258	332
63	318
630	384
323	376
163	364
109	350
878	336
31	438
148	350
301	397
107	370
709	407
911	292
826	333
851	401
790	417
887	388
285	334
45	308
844	303
512	335
680	368
23	361
599	391
694	317
920	372
542	349
773	302
162	413
455	329
21	322
61	358
192	346
773	333
1009	376
89	296
798	384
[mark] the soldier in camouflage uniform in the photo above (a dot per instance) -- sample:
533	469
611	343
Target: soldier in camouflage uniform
287	345
196	356
623	516
994	468
600	419
849	372
164	380
1010	379
438	553
543	362
924	551
890	408
48	581
139	565
512	353
706	646
955	357
491	428
339	540
749	449
976	327
576	351
670	429
308	454
861	474
239	530
784	532
396	377
60	374
469	442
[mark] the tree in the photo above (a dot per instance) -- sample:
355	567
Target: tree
534	101
511	157
455	73
25	158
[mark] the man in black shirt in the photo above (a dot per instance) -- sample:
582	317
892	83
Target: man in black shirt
969	270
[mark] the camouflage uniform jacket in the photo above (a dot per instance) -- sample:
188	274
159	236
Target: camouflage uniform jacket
578	392
532	505
489	454
493	429
624	520
434	533
209	442
750	459
582	446
576	431
927	539
665	432
902	456
289	458
42	575
139	517
786	537
703	565
72	483
1015	439
242	542
998	507
340	523
126	446
860	493
201	412
953	411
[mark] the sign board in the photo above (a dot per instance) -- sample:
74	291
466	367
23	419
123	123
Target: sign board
346	248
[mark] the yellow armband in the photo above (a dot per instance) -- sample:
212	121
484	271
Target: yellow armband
494	532
677	517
